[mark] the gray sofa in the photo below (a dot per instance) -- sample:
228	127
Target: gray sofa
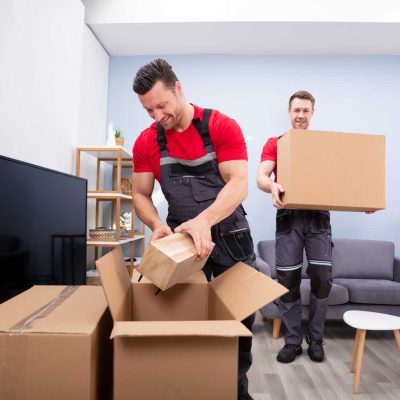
366	276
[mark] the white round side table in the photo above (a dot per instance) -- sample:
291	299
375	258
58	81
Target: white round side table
364	321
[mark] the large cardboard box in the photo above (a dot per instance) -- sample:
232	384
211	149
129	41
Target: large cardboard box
170	260
54	344
181	343
332	170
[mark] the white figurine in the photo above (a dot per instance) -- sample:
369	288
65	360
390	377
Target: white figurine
110	134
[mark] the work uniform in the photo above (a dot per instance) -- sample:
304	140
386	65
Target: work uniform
191	186
297	230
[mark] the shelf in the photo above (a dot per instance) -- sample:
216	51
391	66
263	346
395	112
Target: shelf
105	151
108	154
112	243
108	195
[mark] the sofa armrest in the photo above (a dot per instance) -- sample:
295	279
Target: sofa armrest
396	269
263	266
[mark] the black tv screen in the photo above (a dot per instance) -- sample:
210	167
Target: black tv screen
42	225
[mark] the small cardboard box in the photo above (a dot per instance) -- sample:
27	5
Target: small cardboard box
170	260
332	170
182	343
54	344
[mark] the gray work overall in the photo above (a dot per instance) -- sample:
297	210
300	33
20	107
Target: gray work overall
297	230
191	186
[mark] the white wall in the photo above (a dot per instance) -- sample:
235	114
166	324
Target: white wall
49	66
353	94
94	91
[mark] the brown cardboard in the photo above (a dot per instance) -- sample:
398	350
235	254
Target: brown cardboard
182	343
54	344
332	170
170	260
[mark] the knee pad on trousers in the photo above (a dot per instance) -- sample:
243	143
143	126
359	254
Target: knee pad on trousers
291	280
321	280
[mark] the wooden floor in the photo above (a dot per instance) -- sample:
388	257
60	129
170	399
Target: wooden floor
306	380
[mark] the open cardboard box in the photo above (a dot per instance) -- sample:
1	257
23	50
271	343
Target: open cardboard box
332	170
181	343
170	260
54	344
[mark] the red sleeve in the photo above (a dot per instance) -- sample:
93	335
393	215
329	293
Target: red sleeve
270	150
140	151
227	138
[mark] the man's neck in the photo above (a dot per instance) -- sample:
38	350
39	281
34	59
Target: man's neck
186	118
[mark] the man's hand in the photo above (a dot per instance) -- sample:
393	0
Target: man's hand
160	231
200	230
276	191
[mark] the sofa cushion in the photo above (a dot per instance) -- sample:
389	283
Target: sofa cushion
371	291
363	259
338	295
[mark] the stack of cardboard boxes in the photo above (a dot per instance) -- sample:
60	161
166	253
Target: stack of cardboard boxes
180	343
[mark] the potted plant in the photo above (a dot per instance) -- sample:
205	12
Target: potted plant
119	140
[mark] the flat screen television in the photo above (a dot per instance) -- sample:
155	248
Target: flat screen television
42	225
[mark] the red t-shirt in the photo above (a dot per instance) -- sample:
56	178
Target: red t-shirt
225	134
270	152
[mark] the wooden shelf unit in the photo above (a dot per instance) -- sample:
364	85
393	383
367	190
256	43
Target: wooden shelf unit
118	158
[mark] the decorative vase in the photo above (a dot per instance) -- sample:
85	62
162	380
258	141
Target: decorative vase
119	141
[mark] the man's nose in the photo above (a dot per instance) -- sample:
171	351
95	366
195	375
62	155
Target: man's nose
158	115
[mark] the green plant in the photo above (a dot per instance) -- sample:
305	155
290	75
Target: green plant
118	133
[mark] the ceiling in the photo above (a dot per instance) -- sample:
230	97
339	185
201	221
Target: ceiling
126	39
135	27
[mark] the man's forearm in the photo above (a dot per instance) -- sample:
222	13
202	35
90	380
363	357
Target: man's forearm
145	210
228	199
265	184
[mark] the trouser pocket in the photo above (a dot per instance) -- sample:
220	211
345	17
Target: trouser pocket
320	222
238	243
284	221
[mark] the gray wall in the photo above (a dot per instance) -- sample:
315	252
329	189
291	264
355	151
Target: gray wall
353	94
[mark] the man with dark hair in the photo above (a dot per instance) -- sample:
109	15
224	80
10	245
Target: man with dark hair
199	157
296	230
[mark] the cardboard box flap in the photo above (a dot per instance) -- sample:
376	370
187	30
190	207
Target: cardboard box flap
54	309
116	283
179	328
195	277
244	290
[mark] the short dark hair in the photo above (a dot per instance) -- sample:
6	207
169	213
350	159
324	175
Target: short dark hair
304	95
151	73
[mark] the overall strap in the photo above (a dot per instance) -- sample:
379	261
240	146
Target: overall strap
161	139
202	126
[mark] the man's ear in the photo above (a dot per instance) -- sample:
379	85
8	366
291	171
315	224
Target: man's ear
178	89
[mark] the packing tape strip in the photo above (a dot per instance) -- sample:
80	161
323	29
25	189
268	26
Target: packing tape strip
29	321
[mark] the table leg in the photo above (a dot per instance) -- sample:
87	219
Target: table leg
397	336
359	357
354	353
276	328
